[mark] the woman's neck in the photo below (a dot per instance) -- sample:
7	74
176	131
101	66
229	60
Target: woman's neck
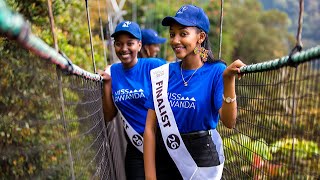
191	63
131	64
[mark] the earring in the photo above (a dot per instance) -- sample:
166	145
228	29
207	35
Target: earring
202	51
204	54
197	50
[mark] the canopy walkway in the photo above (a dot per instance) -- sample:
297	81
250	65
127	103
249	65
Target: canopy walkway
52	126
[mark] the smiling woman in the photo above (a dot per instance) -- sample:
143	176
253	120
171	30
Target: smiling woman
181	140
126	48
127	43
151	43
127	92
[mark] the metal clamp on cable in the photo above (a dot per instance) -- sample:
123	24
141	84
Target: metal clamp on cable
297	48
69	69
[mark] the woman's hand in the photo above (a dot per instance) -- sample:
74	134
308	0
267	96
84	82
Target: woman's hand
233	69
105	76
228	112
109	109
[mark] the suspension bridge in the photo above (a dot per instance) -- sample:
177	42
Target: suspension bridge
51	118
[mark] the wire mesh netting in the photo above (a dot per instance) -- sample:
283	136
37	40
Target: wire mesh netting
52	124
277	130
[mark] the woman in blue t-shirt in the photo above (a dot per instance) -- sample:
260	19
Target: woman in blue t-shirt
189	98
151	43
126	91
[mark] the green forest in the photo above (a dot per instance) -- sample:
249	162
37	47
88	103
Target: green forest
311	18
250	32
253	31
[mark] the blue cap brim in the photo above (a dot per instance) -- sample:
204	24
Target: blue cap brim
167	21
160	40
155	41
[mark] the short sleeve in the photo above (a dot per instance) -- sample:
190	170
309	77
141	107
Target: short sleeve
108	70
218	87
158	62
218	93
149	102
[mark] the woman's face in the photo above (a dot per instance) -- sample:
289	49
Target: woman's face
152	49
183	40
127	48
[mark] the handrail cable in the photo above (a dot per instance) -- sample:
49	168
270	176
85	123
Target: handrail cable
15	27
221	23
102	35
90	34
300	23
297	58
298	45
51	19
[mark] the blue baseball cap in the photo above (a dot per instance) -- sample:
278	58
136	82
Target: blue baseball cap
189	15
150	36
129	27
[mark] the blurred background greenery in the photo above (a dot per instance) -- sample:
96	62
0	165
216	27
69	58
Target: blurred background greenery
253	30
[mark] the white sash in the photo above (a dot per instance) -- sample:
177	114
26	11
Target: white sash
135	138
170	133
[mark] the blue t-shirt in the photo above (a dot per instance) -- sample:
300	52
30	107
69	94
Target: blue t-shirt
163	60
196	106
130	89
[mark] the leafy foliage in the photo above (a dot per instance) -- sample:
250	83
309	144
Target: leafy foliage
29	98
248	148
249	33
303	149
25	109
277	131
33	143
311	18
